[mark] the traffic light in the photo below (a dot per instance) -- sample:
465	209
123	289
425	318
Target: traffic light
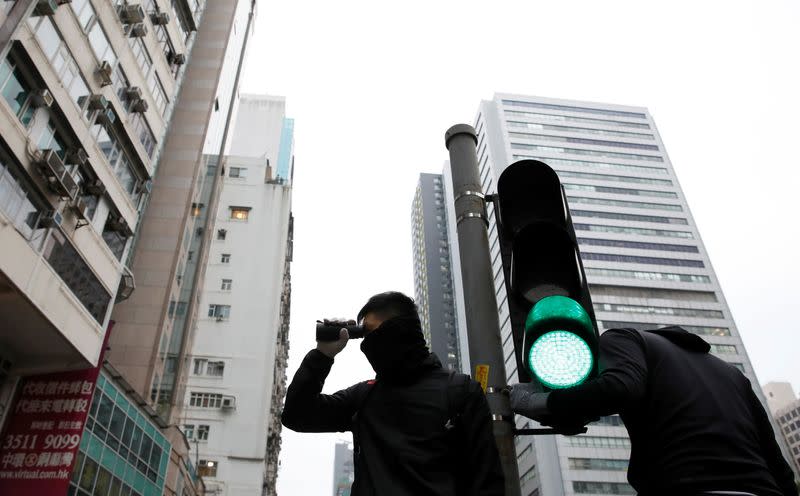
554	330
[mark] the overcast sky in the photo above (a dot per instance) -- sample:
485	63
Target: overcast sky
373	87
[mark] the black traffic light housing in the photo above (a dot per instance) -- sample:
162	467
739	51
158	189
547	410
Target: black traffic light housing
541	260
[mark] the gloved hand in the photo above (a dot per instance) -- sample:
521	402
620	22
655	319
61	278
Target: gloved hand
332	348
528	400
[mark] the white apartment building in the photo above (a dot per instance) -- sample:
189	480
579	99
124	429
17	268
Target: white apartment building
643	255
237	360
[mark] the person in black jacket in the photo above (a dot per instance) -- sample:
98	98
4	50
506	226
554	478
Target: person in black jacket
695	424
417	428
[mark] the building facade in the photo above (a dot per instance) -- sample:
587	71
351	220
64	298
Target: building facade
433	284
643	256
89	91
785	409
237	379
343	470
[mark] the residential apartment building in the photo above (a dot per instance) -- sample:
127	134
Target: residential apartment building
237	380
89	90
433	284
642	252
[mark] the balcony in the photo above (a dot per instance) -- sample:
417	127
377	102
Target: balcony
53	304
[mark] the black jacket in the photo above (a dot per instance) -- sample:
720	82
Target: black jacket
694	421
405	441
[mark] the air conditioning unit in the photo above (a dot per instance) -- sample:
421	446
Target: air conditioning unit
96	187
139	106
50	218
228	402
108	116
42	98
105	71
98	102
131	14
58	179
159	18
138	31
133	93
119	225
80	207
45	7
77	156
179	59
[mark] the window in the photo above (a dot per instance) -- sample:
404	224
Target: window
240	172
528	475
620	191
221	233
17	92
630	217
226	258
158	92
219	311
141	55
638	245
202	432
610	420
599	442
60	58
582	487
240	213
727	349
226	284
702	330
581	151
652	310
207	468
215	369
114	151
569	108
569	118
205	400
583	141
597	464
188	431
633	230
141	129
200	366
189	256
647	276
578	130
643	260
17	200
622	203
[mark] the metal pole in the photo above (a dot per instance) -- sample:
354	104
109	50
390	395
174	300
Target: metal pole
483	329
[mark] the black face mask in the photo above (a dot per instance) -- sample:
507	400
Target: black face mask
396	348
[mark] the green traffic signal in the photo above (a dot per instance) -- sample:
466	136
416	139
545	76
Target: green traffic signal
560	356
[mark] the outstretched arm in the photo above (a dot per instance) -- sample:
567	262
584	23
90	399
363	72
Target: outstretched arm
307	409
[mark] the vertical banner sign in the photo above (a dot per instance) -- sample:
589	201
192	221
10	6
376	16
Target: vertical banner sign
482	376
44	429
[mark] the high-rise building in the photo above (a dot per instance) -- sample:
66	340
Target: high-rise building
778	394
343	470
89	91
433	284
642	252
238	356
784	407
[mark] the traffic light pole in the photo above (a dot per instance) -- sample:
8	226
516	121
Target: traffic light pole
483	329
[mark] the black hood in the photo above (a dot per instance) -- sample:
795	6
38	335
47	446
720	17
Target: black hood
683	338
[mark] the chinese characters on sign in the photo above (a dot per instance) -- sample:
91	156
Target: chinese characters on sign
43	431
